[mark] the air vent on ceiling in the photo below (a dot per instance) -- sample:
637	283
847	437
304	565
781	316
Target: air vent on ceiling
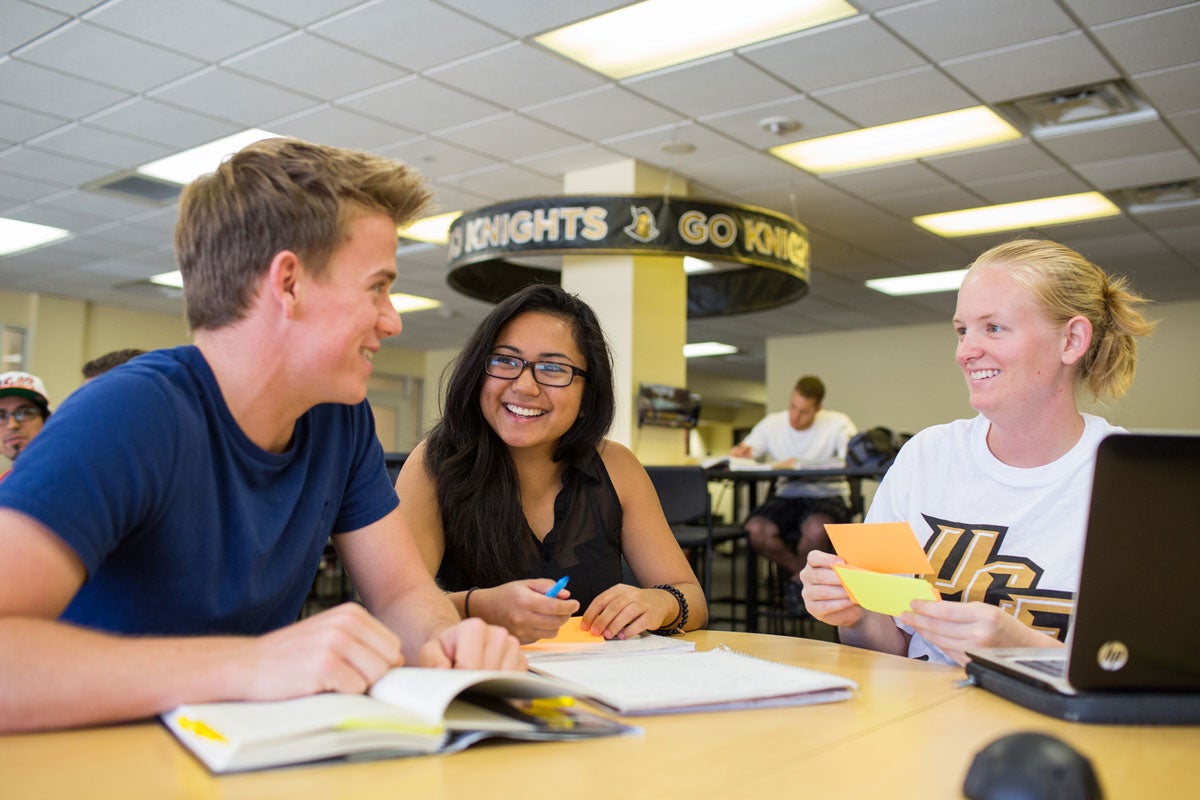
1100	105
1159	197
130	185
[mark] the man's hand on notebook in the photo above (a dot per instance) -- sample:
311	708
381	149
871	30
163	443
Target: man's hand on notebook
956	628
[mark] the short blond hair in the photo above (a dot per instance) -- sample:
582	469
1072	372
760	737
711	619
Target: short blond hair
275	195
1067	285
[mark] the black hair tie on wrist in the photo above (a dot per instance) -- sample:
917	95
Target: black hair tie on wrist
677	624
467	603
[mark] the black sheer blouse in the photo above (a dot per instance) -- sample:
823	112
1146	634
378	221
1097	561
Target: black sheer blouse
584	544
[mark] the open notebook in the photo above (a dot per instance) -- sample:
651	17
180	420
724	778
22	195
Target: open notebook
1134	647
668	682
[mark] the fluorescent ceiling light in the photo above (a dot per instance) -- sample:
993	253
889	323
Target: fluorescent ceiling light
950	132
16	235
701	349
185	167
1026	214
692	264
926	283
434	230
660	33
173	280
407	303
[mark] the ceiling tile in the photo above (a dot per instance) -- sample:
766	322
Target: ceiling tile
341	128
1043	67
526	17
415	34
509	136
436	158
1029	186
297	12
24	22
16	191
415	102
904	95
602	113
1173	32
1095	12
103	147
1171	90
647	145
1002	160
813	59
226	95
943	29
516	75
17	124
1105	144
743	124
573	159
1188	126
313	65
704	87
29	162
205	29
49	92
1146	170
177	128
86	51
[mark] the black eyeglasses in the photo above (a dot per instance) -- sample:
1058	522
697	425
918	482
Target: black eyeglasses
547	373
24	414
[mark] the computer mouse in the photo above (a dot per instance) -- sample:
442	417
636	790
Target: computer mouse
1031	766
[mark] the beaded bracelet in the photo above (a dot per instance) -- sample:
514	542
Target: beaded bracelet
467	603
677	624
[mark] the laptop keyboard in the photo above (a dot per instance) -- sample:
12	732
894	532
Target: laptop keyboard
1054	667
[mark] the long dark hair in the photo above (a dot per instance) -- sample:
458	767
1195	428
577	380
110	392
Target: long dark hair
477	489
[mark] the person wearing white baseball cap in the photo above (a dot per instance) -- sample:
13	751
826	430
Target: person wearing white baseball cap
24	408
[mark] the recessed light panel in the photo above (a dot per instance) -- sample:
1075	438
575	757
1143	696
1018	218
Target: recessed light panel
16	235
185	167
702	349
925	283
654	34
408	303
950	132
434	230
1014	216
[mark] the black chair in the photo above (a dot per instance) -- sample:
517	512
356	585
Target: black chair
683	494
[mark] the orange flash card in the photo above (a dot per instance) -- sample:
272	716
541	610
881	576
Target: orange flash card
887	547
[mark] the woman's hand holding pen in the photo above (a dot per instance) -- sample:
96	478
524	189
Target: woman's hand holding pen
523	607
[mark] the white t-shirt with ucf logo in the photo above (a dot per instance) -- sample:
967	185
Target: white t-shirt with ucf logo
994	533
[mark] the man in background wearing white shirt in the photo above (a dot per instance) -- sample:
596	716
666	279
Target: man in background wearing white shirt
792	522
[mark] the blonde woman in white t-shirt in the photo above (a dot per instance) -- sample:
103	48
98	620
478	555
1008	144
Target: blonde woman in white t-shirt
1000	501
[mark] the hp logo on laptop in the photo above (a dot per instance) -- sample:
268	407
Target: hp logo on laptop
1112	656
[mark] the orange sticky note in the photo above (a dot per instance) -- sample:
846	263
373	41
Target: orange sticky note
887	594
887	547
570	636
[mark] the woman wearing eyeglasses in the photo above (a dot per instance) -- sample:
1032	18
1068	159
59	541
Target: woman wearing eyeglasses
517	487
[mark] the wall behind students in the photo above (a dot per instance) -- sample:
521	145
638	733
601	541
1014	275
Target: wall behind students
905	377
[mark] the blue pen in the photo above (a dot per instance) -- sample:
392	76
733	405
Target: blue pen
558	587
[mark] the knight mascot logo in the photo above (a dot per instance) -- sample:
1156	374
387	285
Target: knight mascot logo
643	227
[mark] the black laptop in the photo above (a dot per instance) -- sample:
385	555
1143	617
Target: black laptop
1133	653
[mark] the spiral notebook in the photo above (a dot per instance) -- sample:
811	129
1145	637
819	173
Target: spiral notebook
671	683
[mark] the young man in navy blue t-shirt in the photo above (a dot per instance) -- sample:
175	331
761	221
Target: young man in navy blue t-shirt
160	535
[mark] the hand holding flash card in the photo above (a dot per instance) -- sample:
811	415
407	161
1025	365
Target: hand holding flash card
874	553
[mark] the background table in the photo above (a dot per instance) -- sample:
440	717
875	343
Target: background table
755	479
910	732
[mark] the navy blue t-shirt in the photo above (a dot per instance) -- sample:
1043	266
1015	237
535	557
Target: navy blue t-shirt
185	526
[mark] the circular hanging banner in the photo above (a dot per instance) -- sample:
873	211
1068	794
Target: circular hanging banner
773	248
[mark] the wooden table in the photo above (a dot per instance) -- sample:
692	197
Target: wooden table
754	479
910	732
